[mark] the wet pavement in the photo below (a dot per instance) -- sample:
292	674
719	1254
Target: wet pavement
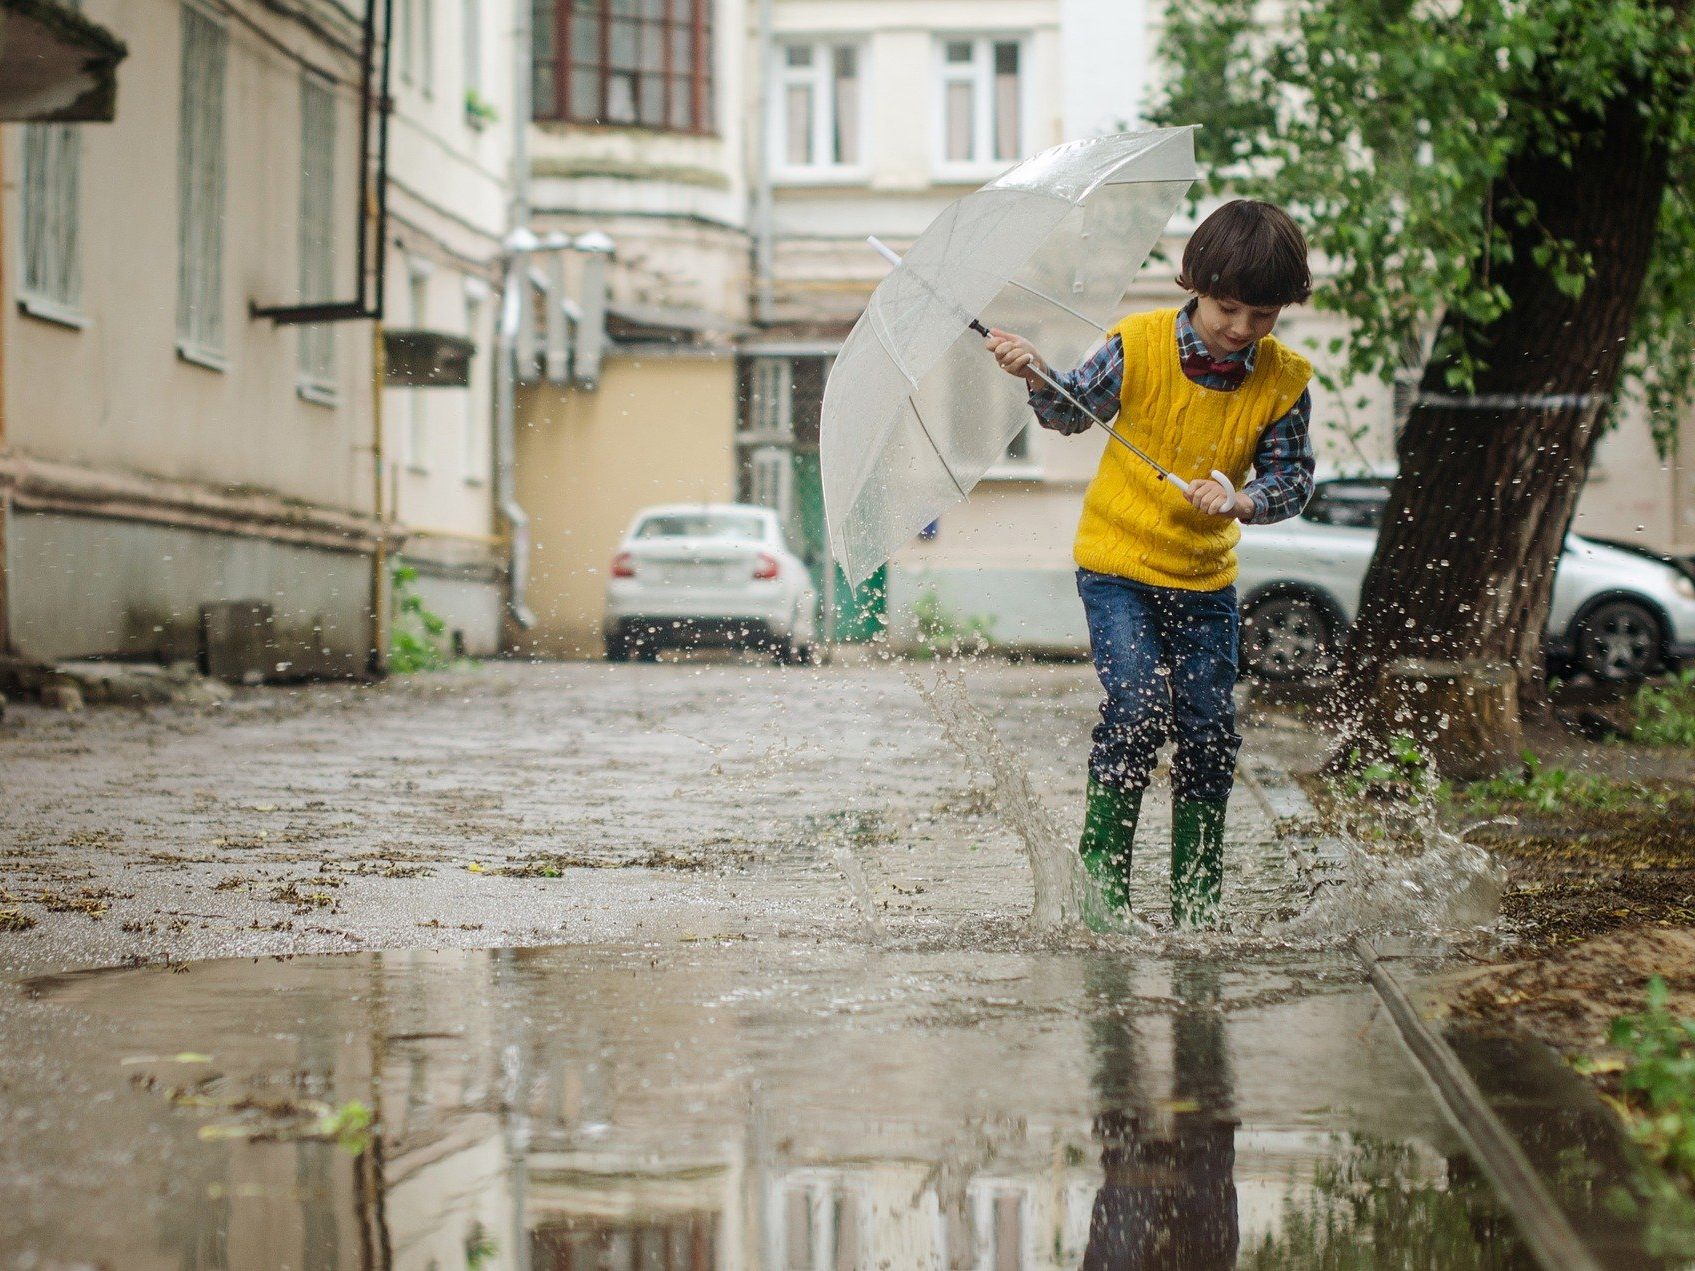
773	1104
794	1015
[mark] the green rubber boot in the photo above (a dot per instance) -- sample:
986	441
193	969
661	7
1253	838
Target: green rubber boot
1109	833
1197	861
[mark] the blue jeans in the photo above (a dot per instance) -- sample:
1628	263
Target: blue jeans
1167	660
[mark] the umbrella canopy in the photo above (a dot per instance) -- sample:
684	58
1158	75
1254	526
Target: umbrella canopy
915	412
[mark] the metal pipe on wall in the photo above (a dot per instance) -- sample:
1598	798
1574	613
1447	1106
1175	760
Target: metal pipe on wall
515	519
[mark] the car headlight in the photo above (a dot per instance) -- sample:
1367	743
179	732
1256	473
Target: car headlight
1684	586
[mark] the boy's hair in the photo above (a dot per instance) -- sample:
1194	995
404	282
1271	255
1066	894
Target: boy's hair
1248	251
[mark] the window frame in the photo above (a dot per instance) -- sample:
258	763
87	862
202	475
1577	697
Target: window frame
981	77
475	443
701	76
202	339
317	375
50	203
420	275
820	78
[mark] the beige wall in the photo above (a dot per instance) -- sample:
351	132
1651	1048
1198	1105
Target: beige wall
115	393
659	429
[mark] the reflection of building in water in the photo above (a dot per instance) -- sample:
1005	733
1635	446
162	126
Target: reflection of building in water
569	1109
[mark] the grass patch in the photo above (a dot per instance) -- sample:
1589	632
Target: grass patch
1544	789
941	632
1656	1101
1665	716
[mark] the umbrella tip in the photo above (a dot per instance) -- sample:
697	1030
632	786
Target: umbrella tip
883	249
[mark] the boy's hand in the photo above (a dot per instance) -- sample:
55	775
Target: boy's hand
1210	497
1017	356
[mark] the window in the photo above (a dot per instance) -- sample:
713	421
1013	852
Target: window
476	439
405	24
643	63
200	190
1358	503
427	45
982	103
317	234
819	108
471	44
51	282
418	308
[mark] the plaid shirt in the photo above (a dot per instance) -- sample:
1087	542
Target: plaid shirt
1283	458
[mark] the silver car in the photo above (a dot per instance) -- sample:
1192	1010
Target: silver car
1617	613
688	575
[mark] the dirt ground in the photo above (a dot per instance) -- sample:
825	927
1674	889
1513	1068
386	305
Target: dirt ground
1598	898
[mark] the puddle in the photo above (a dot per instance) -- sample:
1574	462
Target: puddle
775	1106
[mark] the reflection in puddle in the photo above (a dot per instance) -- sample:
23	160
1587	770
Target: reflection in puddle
783	1107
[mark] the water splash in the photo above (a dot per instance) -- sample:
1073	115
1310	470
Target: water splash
1440	884
1053	861
860	886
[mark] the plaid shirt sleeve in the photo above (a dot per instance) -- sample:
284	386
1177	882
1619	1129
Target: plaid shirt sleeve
1096	384
1283	466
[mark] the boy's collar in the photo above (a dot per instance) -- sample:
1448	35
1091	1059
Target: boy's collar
1186	333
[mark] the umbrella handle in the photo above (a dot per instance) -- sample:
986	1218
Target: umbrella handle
1229	486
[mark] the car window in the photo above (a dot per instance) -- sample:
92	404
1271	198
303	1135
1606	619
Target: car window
726	525
1358	504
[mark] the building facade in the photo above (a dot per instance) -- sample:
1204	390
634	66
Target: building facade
194	322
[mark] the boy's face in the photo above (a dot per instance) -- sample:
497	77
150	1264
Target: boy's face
1230	325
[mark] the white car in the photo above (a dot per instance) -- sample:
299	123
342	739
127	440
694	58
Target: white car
688	575
1617	612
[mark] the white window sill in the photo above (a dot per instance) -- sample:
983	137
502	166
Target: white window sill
210	359
971	173
54	311
857	175
318	394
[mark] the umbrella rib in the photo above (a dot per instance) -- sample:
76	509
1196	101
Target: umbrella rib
1059	304
925	429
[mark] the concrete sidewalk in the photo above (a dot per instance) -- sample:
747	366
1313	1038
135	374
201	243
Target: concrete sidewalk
566	802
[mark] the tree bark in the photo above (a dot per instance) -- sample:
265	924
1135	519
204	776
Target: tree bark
1472	534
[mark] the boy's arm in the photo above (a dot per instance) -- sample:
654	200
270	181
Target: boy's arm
1283	467
1096	383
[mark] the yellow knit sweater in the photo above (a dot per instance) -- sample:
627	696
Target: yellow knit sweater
1135	524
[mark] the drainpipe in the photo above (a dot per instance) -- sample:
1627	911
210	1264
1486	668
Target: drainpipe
517	522
515	289
764	218
379	513
5	485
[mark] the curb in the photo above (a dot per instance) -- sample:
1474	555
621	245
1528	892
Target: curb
1542	1224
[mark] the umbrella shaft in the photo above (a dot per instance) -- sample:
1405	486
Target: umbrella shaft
1109	429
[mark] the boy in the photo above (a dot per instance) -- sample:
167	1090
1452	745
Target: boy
1198	388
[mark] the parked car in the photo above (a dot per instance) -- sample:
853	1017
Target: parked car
708	574
1616	613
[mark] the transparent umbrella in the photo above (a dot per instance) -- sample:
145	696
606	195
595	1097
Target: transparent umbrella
915	413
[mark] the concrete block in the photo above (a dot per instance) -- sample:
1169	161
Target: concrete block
61	696
238	640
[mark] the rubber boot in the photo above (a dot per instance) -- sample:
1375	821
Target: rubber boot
1109	833
1197	861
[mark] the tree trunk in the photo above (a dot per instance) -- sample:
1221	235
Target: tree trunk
1488	481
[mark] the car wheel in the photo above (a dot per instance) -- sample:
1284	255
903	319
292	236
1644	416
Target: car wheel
799	654
1618	640
617	647
1286	637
